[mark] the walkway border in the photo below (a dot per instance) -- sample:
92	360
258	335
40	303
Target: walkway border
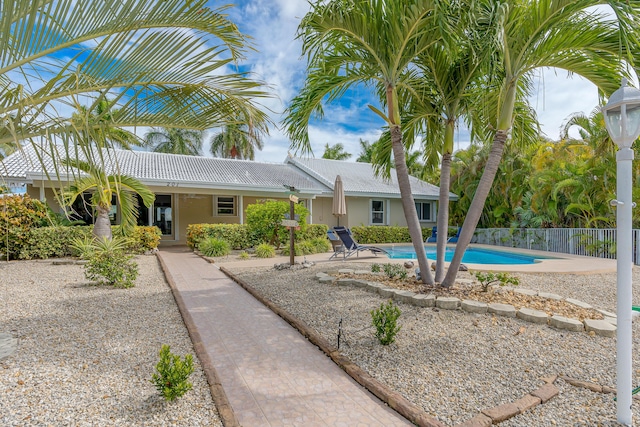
395	400
225	411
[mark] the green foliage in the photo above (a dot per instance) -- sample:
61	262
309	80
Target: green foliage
368	235
243	255
394	271
237	235
375	268
489	278
19	214
385	321
264	220
213	247
308	247
171	376
141	239
108	263
265	250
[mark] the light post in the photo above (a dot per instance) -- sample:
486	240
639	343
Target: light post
622	118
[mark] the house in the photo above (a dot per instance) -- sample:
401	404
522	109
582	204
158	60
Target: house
191	189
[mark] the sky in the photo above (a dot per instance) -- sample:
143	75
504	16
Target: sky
277	60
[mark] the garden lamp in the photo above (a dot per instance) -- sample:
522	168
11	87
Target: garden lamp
622	119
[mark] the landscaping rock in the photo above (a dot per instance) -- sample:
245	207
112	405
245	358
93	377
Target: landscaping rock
578	303
506	310
472	306
448	303
600	327
422	300
562	322
533	316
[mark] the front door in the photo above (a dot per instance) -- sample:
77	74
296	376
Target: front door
163	215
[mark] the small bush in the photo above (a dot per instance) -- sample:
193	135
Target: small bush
237	235
172	374
108	263
265	250
385	321
368	235
375	268
214	247
489	278
320	244
19	214
243	255
265	217
394	271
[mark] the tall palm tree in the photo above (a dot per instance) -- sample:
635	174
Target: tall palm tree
542	33
175	141
96	125
335	152
103	187
366	151
237	140
162	61
374	42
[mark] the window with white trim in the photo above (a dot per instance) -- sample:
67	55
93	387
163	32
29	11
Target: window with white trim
377	212
225	206
425	211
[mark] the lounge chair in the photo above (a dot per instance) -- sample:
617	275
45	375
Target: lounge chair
454	239
352	247
434	236
336	244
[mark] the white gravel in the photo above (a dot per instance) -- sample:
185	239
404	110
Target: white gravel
454	364
86	353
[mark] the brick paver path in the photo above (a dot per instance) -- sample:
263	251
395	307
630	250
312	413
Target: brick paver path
271	374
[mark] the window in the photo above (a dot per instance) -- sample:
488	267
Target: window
378	212
424	210
225	206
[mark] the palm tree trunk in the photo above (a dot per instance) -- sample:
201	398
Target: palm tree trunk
477	205
102	226
408	205
443	215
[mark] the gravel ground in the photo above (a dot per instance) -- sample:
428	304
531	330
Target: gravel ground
454	364
86	353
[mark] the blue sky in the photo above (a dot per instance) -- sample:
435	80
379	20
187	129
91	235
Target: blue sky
272	24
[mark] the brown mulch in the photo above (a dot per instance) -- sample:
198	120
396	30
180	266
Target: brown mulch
495	295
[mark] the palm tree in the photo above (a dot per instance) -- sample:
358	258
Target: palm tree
103	187
335	152
175	141
366	151
374	42
237	141
162	61
541	33
96	125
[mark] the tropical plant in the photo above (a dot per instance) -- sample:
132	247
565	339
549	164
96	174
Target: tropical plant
95	125
175	141
335	152
237	140
214	247
171	376
366	151
503	278
385	320
538	33
108	262
375	43
265	250
104	188
264	220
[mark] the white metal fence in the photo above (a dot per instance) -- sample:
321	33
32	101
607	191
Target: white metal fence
578	241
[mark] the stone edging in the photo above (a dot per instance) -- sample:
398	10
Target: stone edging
225	411
604	328
593	386
395	400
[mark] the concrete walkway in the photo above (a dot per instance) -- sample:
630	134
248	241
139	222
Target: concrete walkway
271	375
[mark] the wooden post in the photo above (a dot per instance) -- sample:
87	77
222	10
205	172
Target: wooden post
291	232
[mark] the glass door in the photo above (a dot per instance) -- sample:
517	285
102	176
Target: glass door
163	215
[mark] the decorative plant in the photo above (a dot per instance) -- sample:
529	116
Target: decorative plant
243	255
214	247
172	374
385	321
490	278
375	268
394	271
107	261
265	250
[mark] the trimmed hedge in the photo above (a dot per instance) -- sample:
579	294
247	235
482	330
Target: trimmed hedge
369	235
55	242
19	214
239	237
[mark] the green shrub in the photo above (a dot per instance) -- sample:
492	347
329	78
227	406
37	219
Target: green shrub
243	255
172	374
108	263
489	278
141	239
385	321
320	244
368	235
375	268
213	247
312	231
236	235
19	214
308	247
265	250
264	220
394	271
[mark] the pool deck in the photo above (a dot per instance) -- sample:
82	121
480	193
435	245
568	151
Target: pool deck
561	263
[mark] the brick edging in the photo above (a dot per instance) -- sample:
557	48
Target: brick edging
595	387
395	400
225	411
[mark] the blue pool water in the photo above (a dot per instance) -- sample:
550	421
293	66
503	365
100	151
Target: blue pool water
471	255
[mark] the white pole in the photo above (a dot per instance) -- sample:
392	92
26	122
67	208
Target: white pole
624	158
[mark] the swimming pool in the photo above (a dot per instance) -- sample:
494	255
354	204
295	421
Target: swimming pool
471	255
